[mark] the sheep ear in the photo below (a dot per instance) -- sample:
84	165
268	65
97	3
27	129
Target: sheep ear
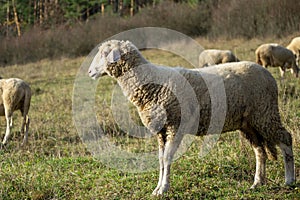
113	56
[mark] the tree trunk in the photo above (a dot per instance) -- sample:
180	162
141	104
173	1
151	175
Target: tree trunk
29	14
46	11
115	6
102	8
7	19
132	8
34	12
121	6
40	7
16	18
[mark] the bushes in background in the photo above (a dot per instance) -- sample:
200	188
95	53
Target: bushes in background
256	18
212	18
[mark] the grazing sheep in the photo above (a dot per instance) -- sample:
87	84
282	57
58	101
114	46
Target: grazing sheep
215	56
251	94
275	55
294	46
15	95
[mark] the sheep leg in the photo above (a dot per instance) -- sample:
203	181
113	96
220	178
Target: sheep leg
8	129
26	129
256	142
26	122
11	122
161	146
258	60
171	145
23	125
265	61
282	72
288	157
260	172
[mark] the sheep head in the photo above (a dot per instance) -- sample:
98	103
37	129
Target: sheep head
111	58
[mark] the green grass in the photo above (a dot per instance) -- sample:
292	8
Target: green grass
57	165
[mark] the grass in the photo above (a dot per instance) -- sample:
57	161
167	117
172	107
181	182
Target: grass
57	165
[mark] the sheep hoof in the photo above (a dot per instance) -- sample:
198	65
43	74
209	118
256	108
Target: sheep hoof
290	183
253	187
155	191
160	190
256	185
24	143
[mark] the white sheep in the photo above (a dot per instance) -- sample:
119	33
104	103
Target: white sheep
275	55
216	56
15	95
294	46
251	94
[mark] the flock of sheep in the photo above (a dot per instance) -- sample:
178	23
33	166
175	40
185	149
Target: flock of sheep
251	97
273	55
169	112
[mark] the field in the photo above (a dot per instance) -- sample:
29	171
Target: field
56	164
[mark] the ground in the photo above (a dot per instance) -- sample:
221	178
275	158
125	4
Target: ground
57	165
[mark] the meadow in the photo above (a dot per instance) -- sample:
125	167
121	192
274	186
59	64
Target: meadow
56	164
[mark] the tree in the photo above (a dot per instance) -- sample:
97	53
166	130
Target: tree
16	19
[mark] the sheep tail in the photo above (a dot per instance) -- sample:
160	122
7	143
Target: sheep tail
271	151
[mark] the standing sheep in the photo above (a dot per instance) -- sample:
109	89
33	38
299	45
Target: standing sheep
275	55
215	56
15	95
251	95
294	46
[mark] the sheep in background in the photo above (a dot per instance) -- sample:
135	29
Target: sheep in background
252	104
275	55
215	56
294	46
15	95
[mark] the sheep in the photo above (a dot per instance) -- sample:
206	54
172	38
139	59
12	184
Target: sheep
15	95
294	46
251	94
275	55
215	56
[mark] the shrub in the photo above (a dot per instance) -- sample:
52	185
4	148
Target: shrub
212	18
81	38
256	18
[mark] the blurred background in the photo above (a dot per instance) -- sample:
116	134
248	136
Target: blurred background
31	30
